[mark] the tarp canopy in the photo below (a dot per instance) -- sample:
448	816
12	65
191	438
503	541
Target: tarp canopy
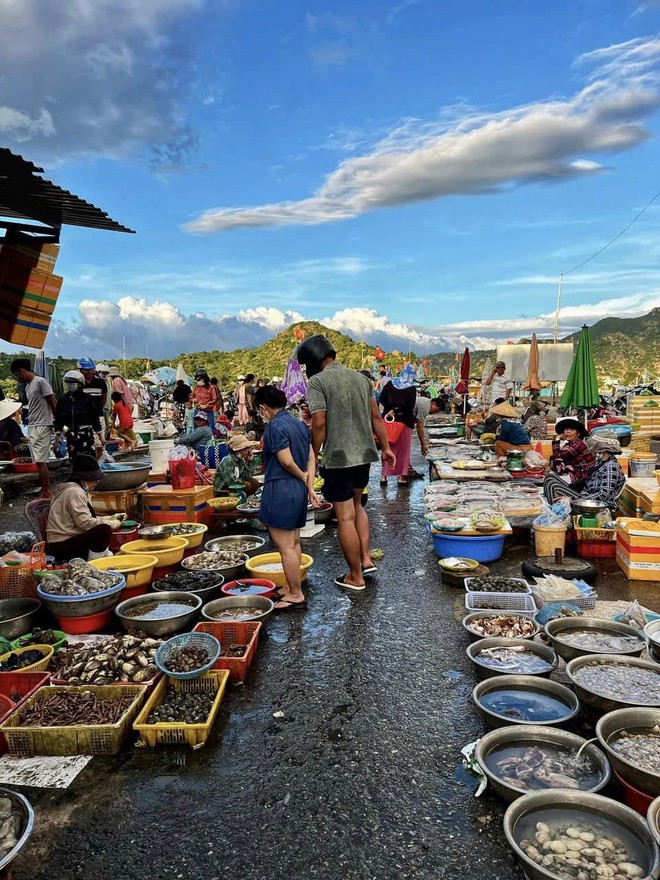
162	376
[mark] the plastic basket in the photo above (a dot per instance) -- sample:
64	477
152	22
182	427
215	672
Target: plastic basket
17	581
468	581
204	641
194	735
500	602
40	665
18	643
80	739
234	633
583	602
596	549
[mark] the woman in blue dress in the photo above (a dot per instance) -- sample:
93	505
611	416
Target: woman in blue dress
289	463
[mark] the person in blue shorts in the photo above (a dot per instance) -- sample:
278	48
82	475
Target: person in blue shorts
289	465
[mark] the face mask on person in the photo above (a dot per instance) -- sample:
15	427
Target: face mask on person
72	387
264	415
200	382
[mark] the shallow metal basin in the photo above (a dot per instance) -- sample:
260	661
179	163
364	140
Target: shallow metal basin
626	719
597	624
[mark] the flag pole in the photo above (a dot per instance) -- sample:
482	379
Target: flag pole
561	280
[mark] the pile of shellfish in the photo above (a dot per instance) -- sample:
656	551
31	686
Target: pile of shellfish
122	658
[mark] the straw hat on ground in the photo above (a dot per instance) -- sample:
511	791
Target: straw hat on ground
240	441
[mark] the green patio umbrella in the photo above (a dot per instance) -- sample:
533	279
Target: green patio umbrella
581	389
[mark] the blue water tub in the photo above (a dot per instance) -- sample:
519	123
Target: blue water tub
483	548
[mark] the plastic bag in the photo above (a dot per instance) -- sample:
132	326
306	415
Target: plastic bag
21	541
557	514
106	458
634	616
179	452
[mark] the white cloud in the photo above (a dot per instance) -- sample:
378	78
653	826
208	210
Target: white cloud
93	77
165	330
480	153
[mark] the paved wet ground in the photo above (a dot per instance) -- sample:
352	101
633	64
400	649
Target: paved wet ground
360	778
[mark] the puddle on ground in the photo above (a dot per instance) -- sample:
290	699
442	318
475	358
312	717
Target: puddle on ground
452	673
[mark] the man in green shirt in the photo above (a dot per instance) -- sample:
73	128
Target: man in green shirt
345	418
234	468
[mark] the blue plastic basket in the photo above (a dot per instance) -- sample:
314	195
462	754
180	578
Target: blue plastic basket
201	640
483	548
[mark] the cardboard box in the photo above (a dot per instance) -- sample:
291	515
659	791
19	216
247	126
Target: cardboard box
31	254
638	549
163	504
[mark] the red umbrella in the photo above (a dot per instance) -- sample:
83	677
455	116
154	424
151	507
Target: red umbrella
462	387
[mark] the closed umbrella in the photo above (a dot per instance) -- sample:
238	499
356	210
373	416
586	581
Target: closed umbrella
464	382
293	384
41	365
56	381
581	391
462	387
181	374
485	389
533	383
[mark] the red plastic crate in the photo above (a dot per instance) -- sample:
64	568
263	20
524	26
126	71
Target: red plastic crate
23	685
234	633
596	549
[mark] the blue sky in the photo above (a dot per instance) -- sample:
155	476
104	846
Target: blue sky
409	172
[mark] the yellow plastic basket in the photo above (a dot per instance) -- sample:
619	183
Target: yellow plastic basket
224	503
79	739
40	665
195	538
278	577
137	568
194	735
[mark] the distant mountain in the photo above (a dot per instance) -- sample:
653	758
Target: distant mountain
269	360
623	349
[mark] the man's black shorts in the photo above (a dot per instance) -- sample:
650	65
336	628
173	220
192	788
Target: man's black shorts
341	484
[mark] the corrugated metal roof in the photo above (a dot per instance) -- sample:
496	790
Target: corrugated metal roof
25	194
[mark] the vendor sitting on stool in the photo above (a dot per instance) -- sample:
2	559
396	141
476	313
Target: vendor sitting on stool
605	482
511	434
201	433
73	529
10	430
234	468
571	459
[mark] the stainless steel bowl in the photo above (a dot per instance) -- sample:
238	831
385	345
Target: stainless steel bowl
205	593
487	672
164	626
475	615
16	616
155	533
602	703
535	735
652	633
21	804
597	624
228	572
526	682
225	541
324	513
212	608
653	818
118	477
587	506
593	806
626	719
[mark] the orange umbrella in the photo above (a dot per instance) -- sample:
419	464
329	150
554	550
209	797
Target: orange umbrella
533	383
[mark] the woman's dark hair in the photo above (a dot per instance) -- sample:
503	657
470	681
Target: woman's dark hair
249	377
116	396
269	396
214	381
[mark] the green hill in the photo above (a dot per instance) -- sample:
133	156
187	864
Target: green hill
269	360
623	349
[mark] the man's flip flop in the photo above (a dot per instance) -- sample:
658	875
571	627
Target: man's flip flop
371	570
290	606
345	585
